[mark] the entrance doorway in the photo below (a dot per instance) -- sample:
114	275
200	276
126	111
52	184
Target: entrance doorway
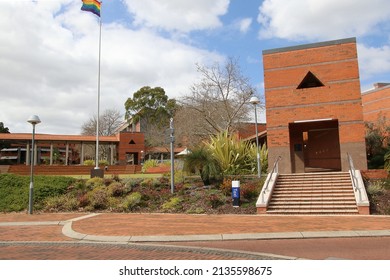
132	158
315	146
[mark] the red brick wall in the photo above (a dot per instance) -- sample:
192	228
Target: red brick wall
335	64
125	146
376	102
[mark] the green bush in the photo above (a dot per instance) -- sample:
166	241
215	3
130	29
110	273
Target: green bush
117	189
201	161
149	163
376	188
173	204
98	198
14	190
89	162
131	201
216	199
131	183
61	203
236	157
94	182
249	191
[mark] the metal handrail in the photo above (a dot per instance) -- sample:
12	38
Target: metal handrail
275	169
353	175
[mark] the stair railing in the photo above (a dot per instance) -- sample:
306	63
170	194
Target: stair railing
352	171
275	170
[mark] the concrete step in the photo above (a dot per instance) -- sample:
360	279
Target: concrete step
318	192
312	212
314	193
317	202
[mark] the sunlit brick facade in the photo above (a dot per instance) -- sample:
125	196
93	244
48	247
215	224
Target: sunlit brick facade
313	107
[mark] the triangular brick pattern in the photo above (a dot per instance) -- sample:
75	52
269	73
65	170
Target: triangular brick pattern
313	193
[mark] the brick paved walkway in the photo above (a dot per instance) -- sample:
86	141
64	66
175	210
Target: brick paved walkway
40	236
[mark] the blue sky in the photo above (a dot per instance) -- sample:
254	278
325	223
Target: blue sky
48	48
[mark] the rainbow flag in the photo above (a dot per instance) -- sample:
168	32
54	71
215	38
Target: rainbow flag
92	6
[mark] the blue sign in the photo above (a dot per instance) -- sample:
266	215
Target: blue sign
236	192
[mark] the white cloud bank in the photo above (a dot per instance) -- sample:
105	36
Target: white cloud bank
178	15
318	20
322	19
49	61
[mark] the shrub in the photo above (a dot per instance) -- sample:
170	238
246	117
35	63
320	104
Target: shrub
196	210
216	200
83	200
89	162
173	204
118	189
150	183
375	188
249	191
149	163
65	202
103	162
226	186
98	198
14	190
132	201
200	161
131	183
94	182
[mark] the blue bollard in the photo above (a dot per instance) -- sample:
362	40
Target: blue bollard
236	193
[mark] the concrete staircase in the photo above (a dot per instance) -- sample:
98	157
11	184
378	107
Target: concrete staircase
313	193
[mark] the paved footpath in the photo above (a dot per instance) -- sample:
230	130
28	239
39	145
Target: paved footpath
68	236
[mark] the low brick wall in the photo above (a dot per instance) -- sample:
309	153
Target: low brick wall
375	174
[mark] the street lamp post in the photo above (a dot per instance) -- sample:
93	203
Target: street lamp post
34	120
254	100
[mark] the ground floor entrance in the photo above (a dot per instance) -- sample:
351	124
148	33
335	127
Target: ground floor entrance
315	146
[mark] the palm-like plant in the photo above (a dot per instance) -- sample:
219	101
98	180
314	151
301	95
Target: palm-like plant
236	156
263	151
200	161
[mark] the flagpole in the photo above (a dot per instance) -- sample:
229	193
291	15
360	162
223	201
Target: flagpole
98	94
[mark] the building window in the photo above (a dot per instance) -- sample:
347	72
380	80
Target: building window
310	81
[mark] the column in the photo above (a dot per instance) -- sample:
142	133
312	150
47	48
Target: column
51	153
82	154
35	152
112	154
67	154
28	153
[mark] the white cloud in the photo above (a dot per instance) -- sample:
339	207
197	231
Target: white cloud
178	15
374	62
244	25
322	19
49	64
315	20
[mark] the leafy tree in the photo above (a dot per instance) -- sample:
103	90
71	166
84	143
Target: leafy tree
3	129
152	108
218	102
4	144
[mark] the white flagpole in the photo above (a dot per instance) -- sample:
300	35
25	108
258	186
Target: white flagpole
98	95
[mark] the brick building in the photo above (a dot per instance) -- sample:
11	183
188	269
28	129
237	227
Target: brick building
313	107
376	102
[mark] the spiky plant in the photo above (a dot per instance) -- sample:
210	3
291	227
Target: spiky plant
201	161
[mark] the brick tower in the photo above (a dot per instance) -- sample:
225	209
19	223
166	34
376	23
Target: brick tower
313	107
